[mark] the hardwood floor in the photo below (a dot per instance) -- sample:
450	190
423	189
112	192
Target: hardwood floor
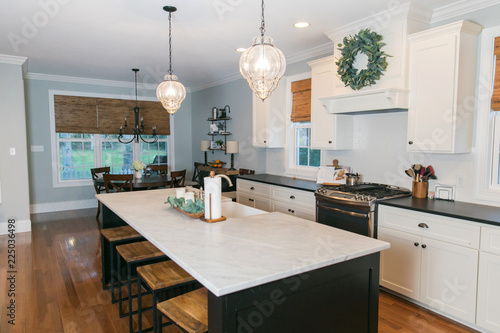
58	287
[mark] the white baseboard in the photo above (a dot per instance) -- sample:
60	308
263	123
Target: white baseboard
62	206
21	226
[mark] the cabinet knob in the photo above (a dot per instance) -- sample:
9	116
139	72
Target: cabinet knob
423	225
291	211
292	197
330	141
265	141
410	142
416	244
250	200
424	246
252	188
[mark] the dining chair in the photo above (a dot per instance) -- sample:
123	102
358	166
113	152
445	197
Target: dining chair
177	178
154	168
195	181
96	172
247	172
118	182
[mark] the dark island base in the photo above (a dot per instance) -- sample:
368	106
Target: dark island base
337	298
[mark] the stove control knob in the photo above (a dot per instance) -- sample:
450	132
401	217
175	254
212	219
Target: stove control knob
362	197
356	196
368	198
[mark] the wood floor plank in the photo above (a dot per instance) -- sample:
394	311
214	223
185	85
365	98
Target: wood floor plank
59	289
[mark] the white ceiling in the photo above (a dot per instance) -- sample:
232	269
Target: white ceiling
105	39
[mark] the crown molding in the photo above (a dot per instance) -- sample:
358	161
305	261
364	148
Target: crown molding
12	60
460	8
304	55
83	80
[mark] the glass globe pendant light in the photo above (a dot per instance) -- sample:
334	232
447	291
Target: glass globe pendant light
170	92
262	64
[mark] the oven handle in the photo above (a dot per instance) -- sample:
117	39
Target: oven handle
344	212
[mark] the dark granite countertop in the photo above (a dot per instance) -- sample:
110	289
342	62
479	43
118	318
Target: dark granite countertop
456	209
299	184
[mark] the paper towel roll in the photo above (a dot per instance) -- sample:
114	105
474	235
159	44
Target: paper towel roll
212	188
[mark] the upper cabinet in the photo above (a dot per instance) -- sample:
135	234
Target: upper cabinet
268	129
328	131
442	88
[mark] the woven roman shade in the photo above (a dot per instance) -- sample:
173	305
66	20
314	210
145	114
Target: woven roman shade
495	98
301	104
106	115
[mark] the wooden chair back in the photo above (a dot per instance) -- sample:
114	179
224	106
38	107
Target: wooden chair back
160	169
177	178
95	174
118	182
247	172
196	172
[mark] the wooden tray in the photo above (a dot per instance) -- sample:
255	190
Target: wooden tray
193	216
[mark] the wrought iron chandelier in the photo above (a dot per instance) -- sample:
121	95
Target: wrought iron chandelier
170	92
262	65
138	128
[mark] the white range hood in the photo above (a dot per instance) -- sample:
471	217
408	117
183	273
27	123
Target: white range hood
376	100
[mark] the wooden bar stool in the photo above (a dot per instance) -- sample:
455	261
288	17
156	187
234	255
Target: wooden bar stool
188	311
160	278
110	239
134	255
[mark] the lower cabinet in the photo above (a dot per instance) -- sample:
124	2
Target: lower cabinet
273	198
424	265
488	291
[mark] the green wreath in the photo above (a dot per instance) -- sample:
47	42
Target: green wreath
369	43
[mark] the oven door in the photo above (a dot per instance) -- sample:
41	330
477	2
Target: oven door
353	218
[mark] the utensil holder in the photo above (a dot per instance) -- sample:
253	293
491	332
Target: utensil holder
419	190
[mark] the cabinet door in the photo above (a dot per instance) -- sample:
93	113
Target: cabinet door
449	278
488	293
262	203
282	208
245	199
260	131
433	66
400	265
306	213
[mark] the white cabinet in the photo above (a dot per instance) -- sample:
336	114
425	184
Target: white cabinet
432	259
488	292
329	131
442	87
269	123
273	198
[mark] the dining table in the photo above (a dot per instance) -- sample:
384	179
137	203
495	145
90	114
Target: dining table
144	183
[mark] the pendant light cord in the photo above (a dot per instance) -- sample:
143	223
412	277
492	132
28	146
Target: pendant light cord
170	42
263	23
136	87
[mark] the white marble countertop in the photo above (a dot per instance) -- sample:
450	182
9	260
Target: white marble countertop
238	253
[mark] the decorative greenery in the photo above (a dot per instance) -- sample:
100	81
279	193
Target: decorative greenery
138	165
369	43
190	207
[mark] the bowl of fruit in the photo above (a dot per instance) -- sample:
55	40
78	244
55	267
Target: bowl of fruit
217	164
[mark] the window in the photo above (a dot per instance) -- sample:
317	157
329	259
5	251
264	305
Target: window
495	167
304	154
77	154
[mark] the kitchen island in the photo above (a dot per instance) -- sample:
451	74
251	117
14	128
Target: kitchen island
265	273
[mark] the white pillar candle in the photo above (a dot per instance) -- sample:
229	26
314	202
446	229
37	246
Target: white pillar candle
189	196
180	192
213	191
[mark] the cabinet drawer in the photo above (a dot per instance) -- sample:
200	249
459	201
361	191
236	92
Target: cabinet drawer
306	213
490	240
291	196
437	227
254	188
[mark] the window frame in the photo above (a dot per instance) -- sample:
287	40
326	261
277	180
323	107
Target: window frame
56	179
488	124
291	169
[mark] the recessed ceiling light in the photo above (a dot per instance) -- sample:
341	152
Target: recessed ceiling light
240	49
302	24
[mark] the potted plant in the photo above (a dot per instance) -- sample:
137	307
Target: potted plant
138	167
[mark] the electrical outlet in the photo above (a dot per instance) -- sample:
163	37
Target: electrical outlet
12	151
460	180
36	149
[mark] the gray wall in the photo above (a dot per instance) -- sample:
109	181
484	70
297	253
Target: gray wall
13	169
42	191
238	96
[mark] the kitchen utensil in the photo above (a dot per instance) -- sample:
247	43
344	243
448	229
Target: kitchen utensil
412	174
352	179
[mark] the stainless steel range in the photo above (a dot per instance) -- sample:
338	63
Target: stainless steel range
352	208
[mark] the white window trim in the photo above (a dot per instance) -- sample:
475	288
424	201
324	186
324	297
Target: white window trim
291	170
56	182
486	189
